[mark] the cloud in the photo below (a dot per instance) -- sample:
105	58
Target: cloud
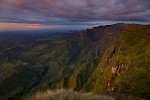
65	12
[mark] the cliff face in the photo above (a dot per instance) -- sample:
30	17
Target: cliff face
94	42
106	58
125	66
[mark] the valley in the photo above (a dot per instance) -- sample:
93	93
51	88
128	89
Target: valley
111	59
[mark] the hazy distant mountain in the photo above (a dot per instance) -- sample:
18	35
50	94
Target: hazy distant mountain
104	59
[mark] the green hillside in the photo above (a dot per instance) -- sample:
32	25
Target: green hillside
104	59
125	66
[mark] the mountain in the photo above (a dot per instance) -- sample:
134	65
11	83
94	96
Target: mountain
104	59
124	67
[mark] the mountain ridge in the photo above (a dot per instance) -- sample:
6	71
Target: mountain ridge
82	62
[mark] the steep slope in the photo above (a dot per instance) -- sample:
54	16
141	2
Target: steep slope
125	66
35	62
95	60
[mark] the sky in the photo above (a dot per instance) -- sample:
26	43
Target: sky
70	14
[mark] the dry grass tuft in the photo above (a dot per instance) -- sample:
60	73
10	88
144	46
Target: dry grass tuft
67	95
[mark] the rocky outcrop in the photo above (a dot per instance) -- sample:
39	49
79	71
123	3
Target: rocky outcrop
124	67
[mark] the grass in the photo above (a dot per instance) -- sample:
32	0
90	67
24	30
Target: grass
67	95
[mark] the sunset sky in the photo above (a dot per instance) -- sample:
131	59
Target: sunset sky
70	14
